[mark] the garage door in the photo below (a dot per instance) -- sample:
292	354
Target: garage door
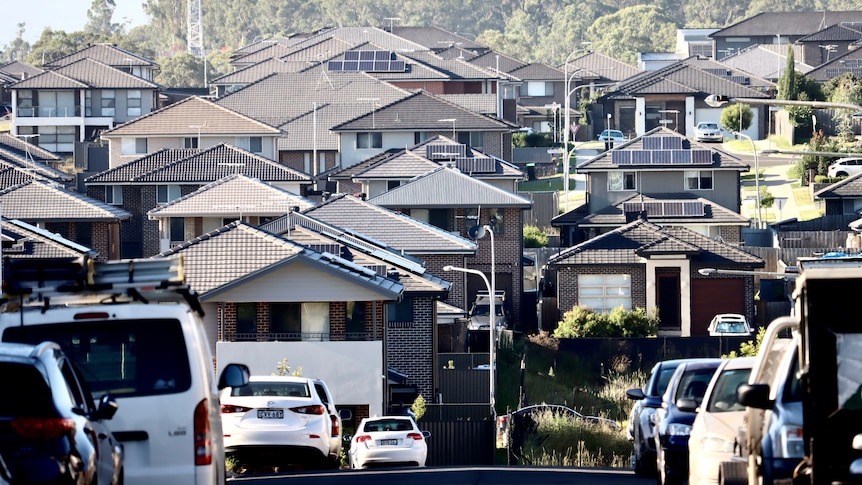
711	296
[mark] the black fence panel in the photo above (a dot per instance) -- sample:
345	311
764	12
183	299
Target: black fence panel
460	443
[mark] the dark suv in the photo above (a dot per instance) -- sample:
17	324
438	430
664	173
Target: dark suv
674	418
51	431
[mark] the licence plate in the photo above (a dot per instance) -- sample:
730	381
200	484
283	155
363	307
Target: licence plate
270	414
388	442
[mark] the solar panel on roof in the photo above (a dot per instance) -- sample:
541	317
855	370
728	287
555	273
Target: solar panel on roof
621	157
445	152
367	55
671	142
335	66
692	208
382	55
351	66
366	65
741	80
672	208
351	56
651	142
680	157
703	157
641	157
397	66
661	157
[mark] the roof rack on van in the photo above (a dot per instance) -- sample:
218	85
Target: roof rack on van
498	293
42	278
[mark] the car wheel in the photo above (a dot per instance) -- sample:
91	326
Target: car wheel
841	174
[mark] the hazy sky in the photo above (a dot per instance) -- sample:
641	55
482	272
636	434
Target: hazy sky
67	15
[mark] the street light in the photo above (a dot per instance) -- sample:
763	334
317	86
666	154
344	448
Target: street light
714	271
567	106
756	176
717	101
492	319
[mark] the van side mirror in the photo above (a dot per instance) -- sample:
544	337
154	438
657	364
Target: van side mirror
754	395
234	375
635	394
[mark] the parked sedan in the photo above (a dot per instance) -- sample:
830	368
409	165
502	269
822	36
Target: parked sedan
388	441
716	427
729	325
673	423
52	431
708	131
615	136
844	167
281	421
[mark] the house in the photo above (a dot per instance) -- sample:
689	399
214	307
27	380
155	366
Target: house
766	61
843	197
77	101
677	93
646	265
22	240
170	173
234	197
266	298
191	123
111	55
778	28
87	221
673	179
10	73
455	201
21	161
848	63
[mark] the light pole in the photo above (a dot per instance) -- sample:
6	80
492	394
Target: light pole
567	106
756	176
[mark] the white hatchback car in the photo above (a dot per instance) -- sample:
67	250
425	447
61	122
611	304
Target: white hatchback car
844	167
729	325
388	441
282	421
714	431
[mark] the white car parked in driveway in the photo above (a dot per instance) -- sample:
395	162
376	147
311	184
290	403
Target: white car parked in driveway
844	167
282	421
708	131
388	441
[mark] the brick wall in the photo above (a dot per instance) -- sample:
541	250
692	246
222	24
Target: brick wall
730	234
567	283
410	346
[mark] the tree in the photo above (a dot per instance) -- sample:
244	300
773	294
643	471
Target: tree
749	348
787	82
181	71
99	18
534	237
737	117
582	321
623	34
283	369
846	88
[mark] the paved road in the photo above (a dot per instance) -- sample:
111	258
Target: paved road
458	476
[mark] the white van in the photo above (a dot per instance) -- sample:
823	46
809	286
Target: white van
134	330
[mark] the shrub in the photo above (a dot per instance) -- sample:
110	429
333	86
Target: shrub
534	237
582	321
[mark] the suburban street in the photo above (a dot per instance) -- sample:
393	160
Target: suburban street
458	476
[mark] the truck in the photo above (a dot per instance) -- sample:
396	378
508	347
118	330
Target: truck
803	401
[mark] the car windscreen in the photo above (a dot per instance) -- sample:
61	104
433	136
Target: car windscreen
274	388
32	394
124	357
693	383
724	397
663	380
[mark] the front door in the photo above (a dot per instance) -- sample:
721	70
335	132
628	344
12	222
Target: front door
668	298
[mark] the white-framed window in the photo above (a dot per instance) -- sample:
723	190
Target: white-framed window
369	140
698	180
25	104
622	180
537	88
59	139
604	292
114	194
109	102
133	102
473	139
133	146
88	103
253	144
167	193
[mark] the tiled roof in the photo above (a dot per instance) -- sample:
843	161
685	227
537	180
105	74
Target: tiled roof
435	38
849	32
681	77
302	129
264	43
765	60
105	53
787	23
636	241
22	240
49	80
538	72
175	119
253	72
24	149
601	66
712	213
232	195
396	230
449	188
265	99
272	51
98	75
572	217
422	111
485	104
196	166
494	60
849	62
604	161
11	175
18	70
848	188
723	70
9	158
43	201
361	35
252	252
450	69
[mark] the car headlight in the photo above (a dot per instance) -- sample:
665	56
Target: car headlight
717	444
790	444
678	429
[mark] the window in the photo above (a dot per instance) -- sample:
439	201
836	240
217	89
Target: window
114	194
178	230
25	103
435	217
495	220
619	180
473	139
167	193
369	140
133	146
246	321
88	103
400	312
108	102
537	88
299	321
698	180
57	138
253	144
355	320
133	102
603	293
190	142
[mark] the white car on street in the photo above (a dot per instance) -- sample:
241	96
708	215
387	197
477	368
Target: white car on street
844	167
708	131
388	441
282	421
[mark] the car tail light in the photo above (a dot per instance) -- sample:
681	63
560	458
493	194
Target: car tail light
335	429
40	428
363	438
313	409
203	435
415	436
230	409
